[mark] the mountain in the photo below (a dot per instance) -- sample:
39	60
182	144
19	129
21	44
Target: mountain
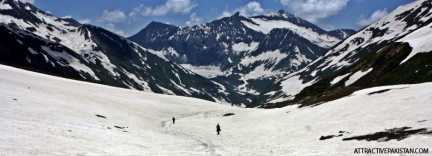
392	50
200	45
35	40
244	54
224	43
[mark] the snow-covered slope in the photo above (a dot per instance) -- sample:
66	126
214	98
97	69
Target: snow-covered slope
56	116
409	23
36	40
281	19
419	40
400	22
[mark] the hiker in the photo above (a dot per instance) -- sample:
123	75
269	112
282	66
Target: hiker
173	120
218	129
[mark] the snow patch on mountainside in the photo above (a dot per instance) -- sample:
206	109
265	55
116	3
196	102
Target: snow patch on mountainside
259	71
5	6
335	61
69	36
9	19
241	46
77	42
299	59
222	88
206	71
269	56
32	51
243	87
65	59
144	84
337	79
265	26
158	53
353	78
419	40
166	91
294	85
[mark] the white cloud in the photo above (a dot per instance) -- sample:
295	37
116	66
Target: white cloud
194	19
174	7
139	11
251	9
116	16
84	21
225	14
378	14
111	27
146	11
169	7
315	10
27	1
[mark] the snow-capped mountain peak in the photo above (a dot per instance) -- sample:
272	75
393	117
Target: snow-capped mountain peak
280	14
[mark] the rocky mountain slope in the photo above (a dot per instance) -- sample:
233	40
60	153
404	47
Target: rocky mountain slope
392	50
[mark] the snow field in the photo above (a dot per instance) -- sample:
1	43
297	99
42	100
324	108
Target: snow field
44	115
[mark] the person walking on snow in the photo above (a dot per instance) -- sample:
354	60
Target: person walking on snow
218	129
173	120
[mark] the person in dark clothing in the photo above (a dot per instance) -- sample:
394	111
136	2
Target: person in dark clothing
218	129
173	120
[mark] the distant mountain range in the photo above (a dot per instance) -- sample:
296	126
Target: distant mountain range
245	54
239	40
274	59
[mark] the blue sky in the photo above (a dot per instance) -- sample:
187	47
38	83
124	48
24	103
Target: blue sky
127	17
